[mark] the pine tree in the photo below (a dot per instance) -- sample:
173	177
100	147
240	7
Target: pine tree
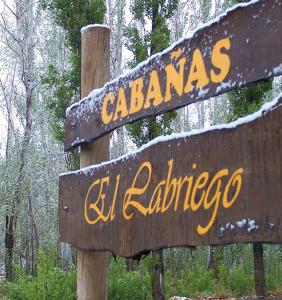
64	85
249	99
71	15
143	45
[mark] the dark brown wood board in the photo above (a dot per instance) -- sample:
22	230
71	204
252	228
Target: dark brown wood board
223	185
241	47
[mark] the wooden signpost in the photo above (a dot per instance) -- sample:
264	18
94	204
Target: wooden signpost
240	48
218	186
221	186
92	266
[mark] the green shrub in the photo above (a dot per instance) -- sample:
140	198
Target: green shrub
223	282
125	285
50	283
200	281
241	283
273	267
274	278
233	279
236	281
193	282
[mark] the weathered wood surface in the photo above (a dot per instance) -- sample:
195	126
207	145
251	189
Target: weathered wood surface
240	48
216	187
92	266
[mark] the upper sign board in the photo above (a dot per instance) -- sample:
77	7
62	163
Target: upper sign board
219	186
240	47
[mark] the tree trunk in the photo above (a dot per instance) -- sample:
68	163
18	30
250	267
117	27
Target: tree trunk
24	22
259	270
9	244
34	237
11	220
130	265
215	259
158	275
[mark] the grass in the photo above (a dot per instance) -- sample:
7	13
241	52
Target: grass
1	292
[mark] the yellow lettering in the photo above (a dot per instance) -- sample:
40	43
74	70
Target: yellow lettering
188	192
95	206
137	191
199	184
137	97
114	198
169	187
220	60
121	107
189	181
106	117
213	201
154	91
174	78
197	72
155	206
236	178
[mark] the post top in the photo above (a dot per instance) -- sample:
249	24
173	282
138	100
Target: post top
90	26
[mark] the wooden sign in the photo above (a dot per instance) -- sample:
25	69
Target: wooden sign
240	47
214	187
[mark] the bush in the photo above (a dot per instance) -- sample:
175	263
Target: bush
241	283
234	278
236	281
200	281
125	285
50	283
273	267
196	281
274	278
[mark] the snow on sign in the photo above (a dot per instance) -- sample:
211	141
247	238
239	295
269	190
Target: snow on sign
220	185
242	46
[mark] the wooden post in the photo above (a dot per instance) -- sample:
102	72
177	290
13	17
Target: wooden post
92	267
259	270
158	291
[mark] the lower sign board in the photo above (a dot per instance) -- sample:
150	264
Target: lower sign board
218	186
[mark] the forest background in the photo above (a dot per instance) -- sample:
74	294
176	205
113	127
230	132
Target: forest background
39	78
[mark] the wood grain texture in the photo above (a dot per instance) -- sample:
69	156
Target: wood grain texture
124	218
92	267
92	275
250	37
